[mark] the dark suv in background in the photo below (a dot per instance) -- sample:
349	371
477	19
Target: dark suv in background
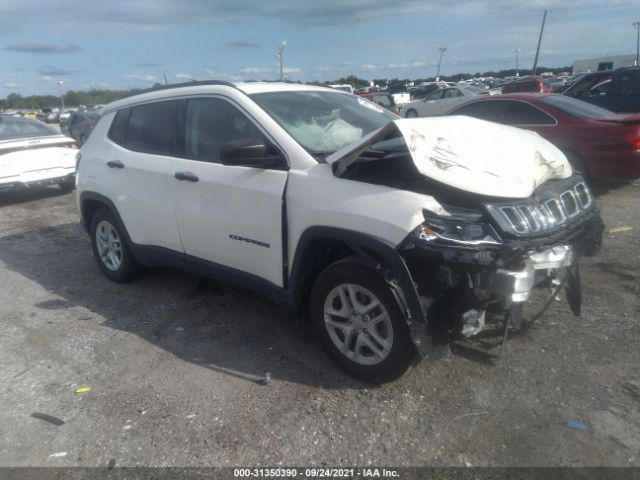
616	90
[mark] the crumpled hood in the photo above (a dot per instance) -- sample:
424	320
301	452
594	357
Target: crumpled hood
469	154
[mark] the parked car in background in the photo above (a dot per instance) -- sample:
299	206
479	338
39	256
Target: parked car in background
30	114
384	100
438	102
63	118
533	85
597	142
616	90
422	91
81	124
345	87
33	154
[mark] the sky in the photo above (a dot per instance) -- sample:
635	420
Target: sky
119	44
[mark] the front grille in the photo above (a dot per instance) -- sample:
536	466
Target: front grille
545	216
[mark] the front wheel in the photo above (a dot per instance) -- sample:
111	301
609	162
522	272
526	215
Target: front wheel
110	248
360	322
411	113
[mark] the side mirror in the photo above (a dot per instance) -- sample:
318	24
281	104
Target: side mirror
251	152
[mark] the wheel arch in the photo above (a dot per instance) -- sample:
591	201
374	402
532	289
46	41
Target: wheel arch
91	202
319	246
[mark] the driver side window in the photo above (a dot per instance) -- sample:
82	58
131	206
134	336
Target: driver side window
212	122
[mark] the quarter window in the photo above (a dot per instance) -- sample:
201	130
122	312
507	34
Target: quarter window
212	122
153	128
118	132
520	113
490	110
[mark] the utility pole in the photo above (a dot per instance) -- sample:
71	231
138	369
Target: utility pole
279	54
637	25
442	50
535	62
60	83
517	52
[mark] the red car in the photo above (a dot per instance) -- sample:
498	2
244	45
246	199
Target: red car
597	142
533	85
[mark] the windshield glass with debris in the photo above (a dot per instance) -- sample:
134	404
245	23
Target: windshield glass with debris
323	122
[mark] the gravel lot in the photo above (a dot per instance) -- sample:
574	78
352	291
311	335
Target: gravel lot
174	366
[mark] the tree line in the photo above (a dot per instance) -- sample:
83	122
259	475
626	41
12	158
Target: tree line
74	98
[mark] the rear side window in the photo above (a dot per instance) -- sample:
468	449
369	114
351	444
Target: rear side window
630	83
153	128
118	131
490	110
521	113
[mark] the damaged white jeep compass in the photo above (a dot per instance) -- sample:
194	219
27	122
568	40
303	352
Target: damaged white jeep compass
396	235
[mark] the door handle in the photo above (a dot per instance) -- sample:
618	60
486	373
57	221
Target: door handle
188	176
115	164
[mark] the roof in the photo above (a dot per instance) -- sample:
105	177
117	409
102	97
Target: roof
176	90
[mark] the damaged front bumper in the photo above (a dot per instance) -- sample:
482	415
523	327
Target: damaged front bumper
457	283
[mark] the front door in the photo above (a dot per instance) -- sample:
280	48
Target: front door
228	215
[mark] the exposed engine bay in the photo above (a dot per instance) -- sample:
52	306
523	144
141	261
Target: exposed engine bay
484	258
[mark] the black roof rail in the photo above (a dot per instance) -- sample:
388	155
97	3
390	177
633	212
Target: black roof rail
181	85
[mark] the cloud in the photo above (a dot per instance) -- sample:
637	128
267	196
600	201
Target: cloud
55	71
41	47
141	78
9	85
184	76
292	71
240	44
148	65
255	71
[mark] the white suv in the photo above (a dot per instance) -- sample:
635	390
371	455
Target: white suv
395	234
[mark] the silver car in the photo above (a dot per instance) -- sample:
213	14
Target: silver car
439	102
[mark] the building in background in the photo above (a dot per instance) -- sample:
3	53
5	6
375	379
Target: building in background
610	62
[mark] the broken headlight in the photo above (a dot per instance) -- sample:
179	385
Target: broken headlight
463	227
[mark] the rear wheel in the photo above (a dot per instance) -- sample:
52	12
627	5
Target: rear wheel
411	113
110	248
360	323
578	164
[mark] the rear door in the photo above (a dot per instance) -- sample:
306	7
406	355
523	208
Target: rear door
229	216
136	171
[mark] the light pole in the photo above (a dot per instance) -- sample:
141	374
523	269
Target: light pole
442	50
279	54
637	25
60	83
517	52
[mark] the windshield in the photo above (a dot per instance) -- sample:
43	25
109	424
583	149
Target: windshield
16	128
323	122
576	108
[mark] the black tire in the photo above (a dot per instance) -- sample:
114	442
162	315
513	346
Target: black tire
66	186
411	113
578	164
401	352
127	267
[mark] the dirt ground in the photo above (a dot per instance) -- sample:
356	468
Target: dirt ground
174	368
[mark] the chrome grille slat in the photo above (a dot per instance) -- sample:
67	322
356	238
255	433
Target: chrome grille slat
551	213
570	204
